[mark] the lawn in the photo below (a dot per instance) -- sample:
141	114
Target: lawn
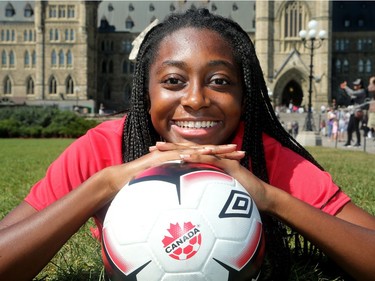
24	161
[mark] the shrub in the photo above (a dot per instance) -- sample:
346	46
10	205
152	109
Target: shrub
36	122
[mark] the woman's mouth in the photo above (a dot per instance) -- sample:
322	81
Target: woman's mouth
196	124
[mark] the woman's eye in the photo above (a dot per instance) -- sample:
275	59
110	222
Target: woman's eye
172	80
220	81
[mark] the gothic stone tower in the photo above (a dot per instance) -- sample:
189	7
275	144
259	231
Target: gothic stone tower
283	57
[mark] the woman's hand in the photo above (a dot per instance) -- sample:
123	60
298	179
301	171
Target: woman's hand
227	158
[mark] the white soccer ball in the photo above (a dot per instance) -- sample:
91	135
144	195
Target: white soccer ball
180	222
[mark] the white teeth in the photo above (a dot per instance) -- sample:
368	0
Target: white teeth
195	124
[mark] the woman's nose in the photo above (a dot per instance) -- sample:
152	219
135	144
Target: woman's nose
195	97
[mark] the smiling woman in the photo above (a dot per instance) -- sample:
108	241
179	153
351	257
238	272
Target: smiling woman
194	88
198	96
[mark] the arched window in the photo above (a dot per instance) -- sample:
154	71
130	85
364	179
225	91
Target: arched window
69	58
28	11
9	11
53	58
3	58
69	85
56	35
129	23
61	58
52	85
29	86
27	59
7	86
11	59
338	66
368	66
294	18
33	59
360	66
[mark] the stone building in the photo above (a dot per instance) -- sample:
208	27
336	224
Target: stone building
75	54
48	53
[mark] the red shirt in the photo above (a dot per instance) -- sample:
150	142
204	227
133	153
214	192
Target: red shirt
101	147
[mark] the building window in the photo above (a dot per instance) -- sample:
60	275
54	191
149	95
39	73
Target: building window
69	85
360	66
52	85
338	66
345	66
129	23
368	66
346	23
53	58
33	59
61	58
234	7
69	34
28	11
359	45
213	7
11	59
9	11
127	46
52	11
27	59
71	11
29	86
294	16
131	7
151	7
172	8
62	11
7	86
69	58
3	58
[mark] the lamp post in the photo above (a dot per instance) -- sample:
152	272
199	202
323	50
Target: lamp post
311	41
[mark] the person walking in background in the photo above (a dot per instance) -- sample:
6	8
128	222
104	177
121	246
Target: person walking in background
353	126
358	96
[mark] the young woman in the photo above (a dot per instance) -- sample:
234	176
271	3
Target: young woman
198	96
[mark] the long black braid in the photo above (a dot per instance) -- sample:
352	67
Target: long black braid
258	115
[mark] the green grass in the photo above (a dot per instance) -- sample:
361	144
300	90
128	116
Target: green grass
24	161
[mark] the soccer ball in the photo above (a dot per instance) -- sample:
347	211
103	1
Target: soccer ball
180	222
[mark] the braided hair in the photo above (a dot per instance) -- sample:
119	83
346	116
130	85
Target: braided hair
258	115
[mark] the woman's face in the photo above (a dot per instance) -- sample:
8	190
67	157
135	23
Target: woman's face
195	88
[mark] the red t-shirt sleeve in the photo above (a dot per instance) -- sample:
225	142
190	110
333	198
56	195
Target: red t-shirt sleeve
100	147
294	174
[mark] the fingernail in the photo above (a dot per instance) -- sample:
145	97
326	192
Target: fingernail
160	142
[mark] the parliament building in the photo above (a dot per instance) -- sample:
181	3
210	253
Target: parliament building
75	54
